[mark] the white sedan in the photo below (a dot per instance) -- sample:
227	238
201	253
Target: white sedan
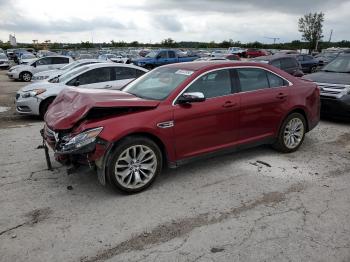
50	74
35	98
25	72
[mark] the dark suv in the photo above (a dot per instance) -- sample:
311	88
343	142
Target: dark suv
287	63
334	81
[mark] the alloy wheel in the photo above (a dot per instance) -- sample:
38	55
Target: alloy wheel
293	133
26	77
135	166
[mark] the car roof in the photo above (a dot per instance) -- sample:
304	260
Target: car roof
209	65
273	57
57	56
104	64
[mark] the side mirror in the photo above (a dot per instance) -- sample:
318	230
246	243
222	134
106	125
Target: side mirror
34	65
192	97
76	83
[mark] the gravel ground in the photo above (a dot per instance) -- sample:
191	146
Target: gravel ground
255	205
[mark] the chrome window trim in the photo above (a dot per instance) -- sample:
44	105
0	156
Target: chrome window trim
230	67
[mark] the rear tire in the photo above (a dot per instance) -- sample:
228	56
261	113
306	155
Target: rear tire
291	134
45	105
134	164
313	69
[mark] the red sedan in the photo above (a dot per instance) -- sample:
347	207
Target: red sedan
178	113
253	52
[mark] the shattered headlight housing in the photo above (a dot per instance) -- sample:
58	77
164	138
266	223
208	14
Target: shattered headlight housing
85	138
34	93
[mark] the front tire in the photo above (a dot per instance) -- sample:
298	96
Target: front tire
291	134
135	164
26	76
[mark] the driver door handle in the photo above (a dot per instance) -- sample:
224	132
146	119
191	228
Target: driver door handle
229	104
108	86
281	96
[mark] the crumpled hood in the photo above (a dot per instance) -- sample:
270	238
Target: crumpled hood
73	104
38	85
329	77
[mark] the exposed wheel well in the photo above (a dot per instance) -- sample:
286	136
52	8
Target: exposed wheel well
149	136
21	74
303	113
42	103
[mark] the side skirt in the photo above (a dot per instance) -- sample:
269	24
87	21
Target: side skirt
220	152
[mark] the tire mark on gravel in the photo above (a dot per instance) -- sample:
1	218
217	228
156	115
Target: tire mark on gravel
170	230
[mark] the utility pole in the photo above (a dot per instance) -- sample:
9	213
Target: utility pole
330	36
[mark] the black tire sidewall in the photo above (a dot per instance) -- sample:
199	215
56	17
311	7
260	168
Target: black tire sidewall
280	145
22	74
121	146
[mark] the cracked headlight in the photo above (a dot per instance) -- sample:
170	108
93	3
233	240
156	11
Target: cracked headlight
33	93
82	139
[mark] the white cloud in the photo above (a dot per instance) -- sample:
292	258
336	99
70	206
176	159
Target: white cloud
144	21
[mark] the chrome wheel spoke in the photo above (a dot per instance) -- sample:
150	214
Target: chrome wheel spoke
293	133
135	166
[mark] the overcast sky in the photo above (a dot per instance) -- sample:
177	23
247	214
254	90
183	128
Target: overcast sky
154	20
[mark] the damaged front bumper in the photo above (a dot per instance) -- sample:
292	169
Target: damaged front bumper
76	152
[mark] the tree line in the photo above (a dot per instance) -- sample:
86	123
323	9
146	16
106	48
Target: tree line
310	26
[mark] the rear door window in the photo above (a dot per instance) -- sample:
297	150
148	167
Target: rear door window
124	73
97	75
252	79
60	60
275	81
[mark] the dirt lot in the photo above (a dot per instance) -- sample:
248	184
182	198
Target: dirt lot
256	205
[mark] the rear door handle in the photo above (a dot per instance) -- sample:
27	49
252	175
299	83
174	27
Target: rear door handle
229	104
281	96
108	86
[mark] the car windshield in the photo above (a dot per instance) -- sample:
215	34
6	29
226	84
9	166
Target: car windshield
66	76
151	54
157	84
339	65
28	56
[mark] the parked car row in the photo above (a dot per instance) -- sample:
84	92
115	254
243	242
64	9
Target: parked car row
35	98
